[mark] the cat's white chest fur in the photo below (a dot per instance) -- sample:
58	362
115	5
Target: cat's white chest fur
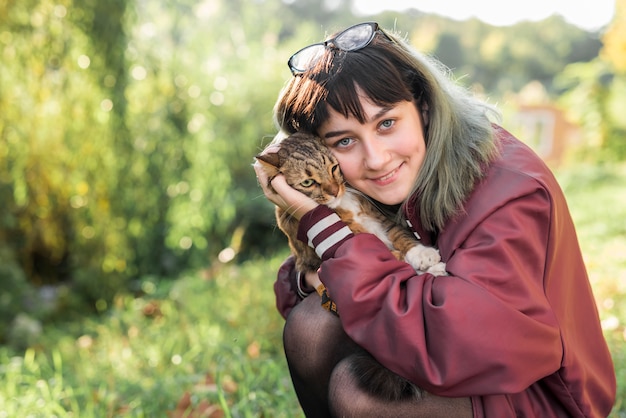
349	201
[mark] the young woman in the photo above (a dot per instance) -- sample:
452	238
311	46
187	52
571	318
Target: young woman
513	329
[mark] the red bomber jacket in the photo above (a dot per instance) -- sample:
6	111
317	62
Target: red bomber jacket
514	325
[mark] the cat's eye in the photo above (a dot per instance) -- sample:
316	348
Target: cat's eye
334	169
307	183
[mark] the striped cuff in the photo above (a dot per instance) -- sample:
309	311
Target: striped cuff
300	288
324	231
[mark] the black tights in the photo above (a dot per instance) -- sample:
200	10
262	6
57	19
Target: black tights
321	360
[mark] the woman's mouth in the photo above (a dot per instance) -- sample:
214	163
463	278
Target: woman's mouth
387	178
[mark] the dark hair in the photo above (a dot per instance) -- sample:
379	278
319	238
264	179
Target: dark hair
458	134
377	71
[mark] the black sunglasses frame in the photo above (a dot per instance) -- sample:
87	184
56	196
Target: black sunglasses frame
332	43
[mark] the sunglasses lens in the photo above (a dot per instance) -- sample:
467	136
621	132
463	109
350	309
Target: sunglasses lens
306	58
354	38
351	39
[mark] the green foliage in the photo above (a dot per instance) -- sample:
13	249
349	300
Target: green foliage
196	336
14	291
126	136
593	96
504	59
56	147
614	39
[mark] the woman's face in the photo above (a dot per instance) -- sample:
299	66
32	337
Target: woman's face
383	156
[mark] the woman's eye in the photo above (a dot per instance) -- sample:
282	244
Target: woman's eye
344	142
307	183
387	123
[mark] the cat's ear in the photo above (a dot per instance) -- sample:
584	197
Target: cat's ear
270	162
270	158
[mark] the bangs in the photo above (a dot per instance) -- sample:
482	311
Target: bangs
370	73
339	80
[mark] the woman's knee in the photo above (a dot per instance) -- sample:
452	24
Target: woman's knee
304	323
314	340
309	334
349	396
345	396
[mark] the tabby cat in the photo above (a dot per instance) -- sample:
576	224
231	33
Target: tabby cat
309	166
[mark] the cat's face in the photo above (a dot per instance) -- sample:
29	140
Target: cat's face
308	166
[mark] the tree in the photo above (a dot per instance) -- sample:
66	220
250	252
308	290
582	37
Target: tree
614	49
593	93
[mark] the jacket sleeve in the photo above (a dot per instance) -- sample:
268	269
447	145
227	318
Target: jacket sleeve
485	328
285	287
289	287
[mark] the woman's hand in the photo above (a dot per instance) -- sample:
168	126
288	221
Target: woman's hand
312	279
283	195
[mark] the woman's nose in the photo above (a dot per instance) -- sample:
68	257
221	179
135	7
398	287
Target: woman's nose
376	154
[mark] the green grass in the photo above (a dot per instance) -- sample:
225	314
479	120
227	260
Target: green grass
216	335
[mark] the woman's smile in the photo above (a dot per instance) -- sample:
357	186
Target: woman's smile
387	178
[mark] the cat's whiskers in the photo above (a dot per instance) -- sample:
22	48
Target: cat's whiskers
292	208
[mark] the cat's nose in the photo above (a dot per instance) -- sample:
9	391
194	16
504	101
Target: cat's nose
332	189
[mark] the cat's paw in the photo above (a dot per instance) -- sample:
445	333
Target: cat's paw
421	258
438	269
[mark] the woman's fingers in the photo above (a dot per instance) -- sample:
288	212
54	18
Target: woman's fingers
268	190
291	200
261	175
312	279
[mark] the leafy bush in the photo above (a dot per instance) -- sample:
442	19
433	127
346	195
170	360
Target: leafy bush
126	138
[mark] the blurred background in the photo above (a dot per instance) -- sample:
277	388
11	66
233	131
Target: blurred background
132	230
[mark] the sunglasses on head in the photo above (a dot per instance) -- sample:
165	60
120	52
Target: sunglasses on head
352	39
